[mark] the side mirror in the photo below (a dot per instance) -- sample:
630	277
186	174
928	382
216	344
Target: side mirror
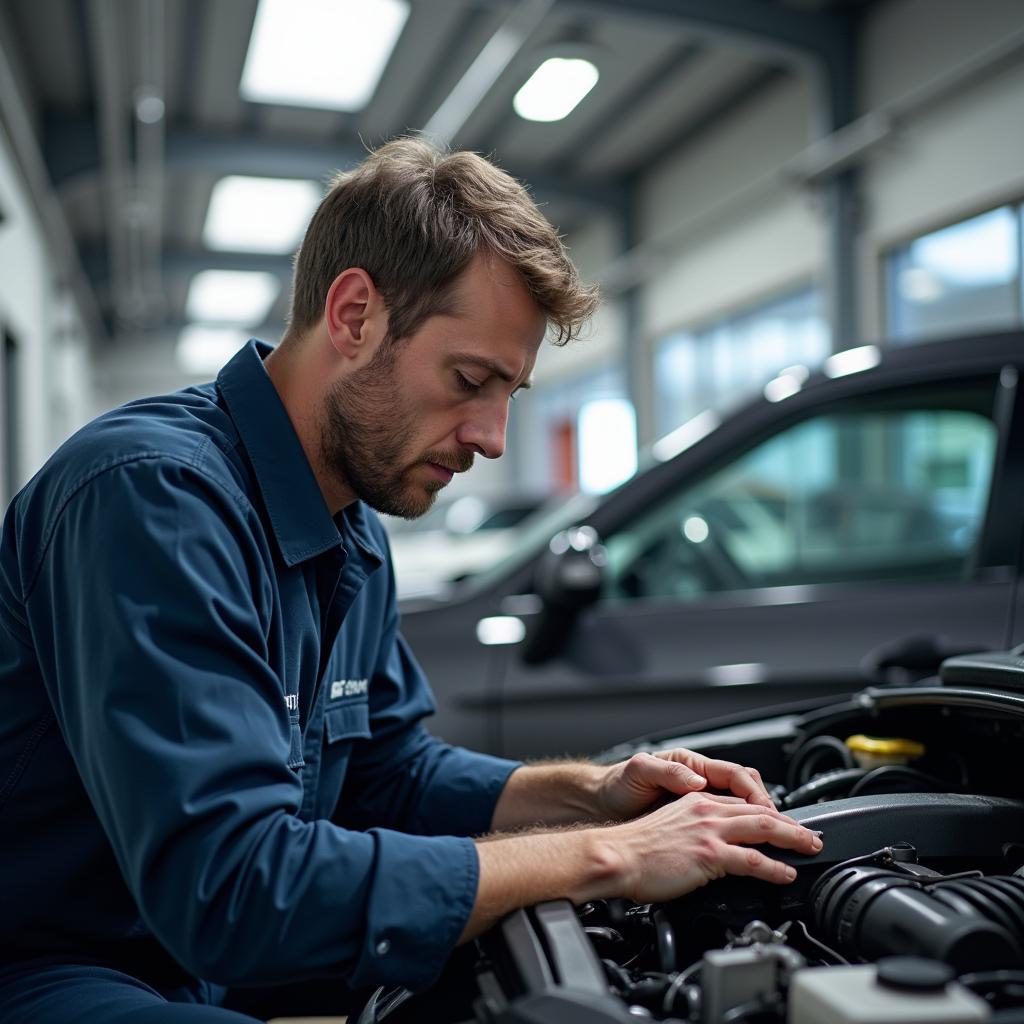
569	578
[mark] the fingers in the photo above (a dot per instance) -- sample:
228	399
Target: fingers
738	860
732	806
661	773
769	828
745	783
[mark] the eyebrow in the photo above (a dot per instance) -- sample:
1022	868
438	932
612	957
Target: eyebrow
492	367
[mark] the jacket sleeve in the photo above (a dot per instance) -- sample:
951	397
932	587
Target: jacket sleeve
150	606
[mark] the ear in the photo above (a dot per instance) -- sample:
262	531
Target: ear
355	315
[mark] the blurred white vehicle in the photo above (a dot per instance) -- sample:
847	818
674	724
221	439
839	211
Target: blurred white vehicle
455	539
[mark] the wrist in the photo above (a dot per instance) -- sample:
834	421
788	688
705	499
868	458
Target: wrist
590	785
606	865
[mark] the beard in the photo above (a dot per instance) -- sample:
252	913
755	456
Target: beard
367	429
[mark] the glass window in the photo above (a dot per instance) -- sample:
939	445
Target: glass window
893	491
546	447
712	368
963	278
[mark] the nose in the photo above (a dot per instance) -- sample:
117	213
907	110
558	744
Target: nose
483	429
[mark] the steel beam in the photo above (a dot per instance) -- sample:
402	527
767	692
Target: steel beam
179	263
751	24
74	161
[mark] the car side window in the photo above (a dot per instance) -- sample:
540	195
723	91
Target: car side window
891	489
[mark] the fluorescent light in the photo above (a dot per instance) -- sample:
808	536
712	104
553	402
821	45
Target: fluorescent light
853	360
203	349
259	214
685	436
320	53
240	297
555	89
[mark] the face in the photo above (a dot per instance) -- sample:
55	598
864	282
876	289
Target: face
396	430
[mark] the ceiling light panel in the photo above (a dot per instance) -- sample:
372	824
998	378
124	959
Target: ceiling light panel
204	350
555	89
259	214
327	54
239	297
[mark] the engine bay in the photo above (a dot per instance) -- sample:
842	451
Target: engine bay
913	911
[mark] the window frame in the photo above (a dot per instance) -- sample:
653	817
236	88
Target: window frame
891	250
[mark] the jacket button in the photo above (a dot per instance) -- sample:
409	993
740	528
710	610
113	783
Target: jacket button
383	947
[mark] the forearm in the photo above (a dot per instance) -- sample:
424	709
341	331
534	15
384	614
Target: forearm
563	793
653	858
518	871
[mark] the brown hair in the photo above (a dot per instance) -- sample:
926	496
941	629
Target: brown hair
413	217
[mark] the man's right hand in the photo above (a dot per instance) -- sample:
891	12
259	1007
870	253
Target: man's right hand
695	839
671	851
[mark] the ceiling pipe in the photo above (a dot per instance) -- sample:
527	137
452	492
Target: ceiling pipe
150	118
113	143
852	144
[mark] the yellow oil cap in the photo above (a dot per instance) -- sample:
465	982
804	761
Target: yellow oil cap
874	751
877	745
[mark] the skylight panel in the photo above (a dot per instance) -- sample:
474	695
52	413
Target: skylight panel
259	214
239	297
328	54
204	350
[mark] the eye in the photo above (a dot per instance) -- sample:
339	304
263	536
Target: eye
465	384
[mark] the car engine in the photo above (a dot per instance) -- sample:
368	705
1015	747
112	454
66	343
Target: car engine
912	912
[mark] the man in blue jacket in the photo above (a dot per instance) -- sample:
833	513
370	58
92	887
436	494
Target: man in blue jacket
213	767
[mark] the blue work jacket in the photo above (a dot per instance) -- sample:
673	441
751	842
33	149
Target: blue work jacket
212	755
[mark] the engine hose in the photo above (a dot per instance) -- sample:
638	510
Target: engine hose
973	924
809	753
824	785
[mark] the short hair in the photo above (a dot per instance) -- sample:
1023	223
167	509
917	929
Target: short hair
413	216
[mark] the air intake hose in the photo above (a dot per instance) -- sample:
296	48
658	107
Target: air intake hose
971	924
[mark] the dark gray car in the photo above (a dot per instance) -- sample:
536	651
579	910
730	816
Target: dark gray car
876	504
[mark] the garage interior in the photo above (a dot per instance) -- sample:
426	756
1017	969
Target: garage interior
741	169
778	199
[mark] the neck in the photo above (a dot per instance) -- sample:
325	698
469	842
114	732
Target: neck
297	370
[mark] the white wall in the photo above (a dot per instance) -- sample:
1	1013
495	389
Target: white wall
766	240
734	232
53	389
948	163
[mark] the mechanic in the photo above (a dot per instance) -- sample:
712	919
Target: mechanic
214	771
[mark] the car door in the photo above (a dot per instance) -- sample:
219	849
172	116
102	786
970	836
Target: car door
770	575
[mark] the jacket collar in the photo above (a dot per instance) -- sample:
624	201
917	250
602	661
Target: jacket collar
298	514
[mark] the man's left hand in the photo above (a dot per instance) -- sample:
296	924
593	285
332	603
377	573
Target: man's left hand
632	787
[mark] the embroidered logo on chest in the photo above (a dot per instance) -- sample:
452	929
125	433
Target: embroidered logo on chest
349	688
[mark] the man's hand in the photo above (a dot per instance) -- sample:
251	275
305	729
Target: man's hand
662	855
697	838
634	786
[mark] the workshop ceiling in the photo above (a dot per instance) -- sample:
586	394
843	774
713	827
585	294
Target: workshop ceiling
667	71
